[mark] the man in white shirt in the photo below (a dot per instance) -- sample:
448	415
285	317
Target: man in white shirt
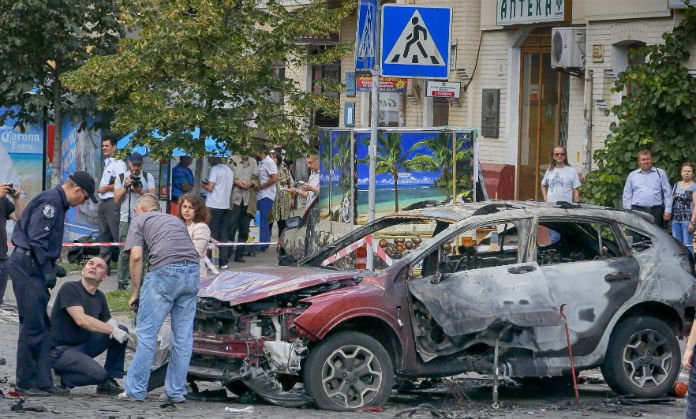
265	196
108	212
219	187
128	187
310	189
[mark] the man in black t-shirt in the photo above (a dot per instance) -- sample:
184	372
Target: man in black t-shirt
8	211
83	329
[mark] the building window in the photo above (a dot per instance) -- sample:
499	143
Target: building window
325	72
440	112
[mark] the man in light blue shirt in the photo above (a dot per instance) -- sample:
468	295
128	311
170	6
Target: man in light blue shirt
647	189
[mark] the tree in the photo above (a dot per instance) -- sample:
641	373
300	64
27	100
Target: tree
391	159
658	113
212	64
441	159
42	40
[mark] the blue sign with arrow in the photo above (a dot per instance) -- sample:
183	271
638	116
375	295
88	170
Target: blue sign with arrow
416	41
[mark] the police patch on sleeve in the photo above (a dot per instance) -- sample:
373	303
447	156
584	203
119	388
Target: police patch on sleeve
49	211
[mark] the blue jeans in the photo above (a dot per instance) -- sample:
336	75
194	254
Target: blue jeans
680	231
691	396
172	288
264	205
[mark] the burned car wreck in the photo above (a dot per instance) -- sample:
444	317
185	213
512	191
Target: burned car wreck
448	286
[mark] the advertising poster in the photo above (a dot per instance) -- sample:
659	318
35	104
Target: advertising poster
413	166
21	157
81	151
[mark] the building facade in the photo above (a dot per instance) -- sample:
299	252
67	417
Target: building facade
523	91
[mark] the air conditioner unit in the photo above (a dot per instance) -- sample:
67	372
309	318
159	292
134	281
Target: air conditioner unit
568	47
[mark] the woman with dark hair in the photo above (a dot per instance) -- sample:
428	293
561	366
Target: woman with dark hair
683	204
194	213
561	181
282	206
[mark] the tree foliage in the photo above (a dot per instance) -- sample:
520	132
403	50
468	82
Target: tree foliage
212	64
42	40
658	113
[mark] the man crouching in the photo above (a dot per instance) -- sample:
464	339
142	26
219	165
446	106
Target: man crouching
83	329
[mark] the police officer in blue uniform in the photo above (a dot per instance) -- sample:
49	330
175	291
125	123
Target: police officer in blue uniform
38	238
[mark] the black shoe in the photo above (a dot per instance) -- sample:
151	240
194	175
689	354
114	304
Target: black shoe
31	392
240	259
122	287
60	390
110	387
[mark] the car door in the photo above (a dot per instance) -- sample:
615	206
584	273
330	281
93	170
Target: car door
589	272
478	277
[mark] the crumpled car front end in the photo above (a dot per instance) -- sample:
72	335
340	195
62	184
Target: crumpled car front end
245	335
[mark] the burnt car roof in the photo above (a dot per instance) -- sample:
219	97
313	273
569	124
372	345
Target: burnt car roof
458	212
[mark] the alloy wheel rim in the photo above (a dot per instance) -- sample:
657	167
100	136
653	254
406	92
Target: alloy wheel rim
647	360
351	376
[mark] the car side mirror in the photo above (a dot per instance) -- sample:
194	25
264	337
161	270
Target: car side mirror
293	222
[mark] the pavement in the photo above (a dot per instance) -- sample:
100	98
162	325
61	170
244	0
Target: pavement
465	396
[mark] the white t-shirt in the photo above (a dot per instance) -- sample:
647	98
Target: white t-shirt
561	181
223	177
148	183
267	168
314	181
112	168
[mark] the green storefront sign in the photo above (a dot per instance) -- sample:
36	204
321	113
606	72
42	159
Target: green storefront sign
516	12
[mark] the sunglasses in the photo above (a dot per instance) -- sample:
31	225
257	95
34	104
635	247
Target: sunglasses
559	154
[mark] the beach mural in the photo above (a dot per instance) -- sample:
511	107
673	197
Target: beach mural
336	154
411	166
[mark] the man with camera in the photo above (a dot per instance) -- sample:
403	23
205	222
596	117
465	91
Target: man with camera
108	208
38	240
127	189
310	189
8	210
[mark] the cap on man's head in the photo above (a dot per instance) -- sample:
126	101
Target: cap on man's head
85	181
136	158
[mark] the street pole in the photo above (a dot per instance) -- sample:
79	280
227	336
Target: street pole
374	121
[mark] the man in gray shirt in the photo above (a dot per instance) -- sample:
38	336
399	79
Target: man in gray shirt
170	287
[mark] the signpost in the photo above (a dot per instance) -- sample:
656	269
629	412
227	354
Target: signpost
366	36
415	41
444	89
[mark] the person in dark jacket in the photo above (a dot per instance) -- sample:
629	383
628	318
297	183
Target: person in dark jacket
38	239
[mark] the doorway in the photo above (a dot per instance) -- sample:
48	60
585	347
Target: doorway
543	106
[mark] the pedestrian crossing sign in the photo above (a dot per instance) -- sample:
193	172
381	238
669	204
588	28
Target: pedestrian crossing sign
416	41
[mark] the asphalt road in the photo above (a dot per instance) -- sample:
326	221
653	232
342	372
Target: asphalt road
460	397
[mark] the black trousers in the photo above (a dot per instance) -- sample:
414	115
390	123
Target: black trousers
34	342
657	212
219	229
108	229
77	367
239	224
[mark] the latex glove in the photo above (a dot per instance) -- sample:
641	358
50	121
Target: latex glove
50	280
60	271
118	334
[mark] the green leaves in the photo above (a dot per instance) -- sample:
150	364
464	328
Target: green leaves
213	65
658	113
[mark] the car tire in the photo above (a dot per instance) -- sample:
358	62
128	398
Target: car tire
643	358
331	365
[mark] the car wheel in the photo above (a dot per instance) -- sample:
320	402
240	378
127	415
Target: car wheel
349	371
643	358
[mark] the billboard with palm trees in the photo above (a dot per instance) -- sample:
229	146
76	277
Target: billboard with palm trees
412	166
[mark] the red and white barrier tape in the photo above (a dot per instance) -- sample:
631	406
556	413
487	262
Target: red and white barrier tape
354	246
113	244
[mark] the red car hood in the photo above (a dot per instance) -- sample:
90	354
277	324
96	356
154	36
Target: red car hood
258	282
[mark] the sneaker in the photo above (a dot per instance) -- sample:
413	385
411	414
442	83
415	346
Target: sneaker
31	392
110	387
164	397
60	390
126	398
224	266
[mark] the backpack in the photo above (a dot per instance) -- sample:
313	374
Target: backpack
78	254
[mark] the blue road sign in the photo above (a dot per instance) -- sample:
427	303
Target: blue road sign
365	36
416	41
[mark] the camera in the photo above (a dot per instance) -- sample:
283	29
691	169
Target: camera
299	183
136	183
11	189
